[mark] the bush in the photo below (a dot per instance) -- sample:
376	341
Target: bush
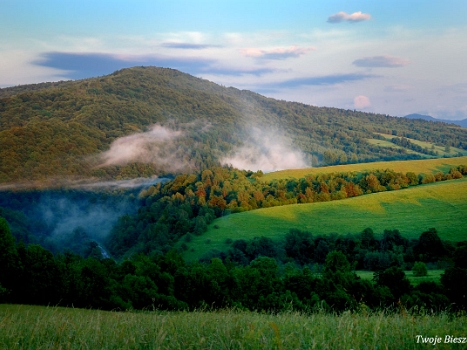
419	269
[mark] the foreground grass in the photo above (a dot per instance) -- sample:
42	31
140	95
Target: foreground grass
442	205
34	327
403	166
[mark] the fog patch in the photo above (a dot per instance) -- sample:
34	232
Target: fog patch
63	216
87	184
136	183
157	146
266	151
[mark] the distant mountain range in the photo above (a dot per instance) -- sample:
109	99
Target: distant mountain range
462	122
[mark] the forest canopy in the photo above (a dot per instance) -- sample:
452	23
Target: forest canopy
61	129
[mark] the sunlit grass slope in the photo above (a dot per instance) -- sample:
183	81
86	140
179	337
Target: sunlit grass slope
442	205
387	143
451	152
34	327
404	166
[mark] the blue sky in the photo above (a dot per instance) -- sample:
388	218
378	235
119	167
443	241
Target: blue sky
392	57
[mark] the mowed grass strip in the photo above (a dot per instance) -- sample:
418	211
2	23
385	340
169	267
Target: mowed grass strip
432	276
387	143
442	205
403	166
35	327
453	151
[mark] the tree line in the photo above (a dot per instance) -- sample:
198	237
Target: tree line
364	251
166	281
187	204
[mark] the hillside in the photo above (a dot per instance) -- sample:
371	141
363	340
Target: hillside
417	166
441	205
144	121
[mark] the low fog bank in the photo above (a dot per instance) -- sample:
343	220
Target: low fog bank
69	219
90	184
93	215
266	151
137	183
157	146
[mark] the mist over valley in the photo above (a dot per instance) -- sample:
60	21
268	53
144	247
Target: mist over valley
200	174
139	128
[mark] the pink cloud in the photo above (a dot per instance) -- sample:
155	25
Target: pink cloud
354	17
277	54
361	102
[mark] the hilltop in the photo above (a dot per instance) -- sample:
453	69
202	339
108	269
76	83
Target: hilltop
67	129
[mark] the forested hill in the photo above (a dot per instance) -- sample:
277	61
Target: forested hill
52	130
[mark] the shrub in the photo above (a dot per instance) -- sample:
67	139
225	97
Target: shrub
419	269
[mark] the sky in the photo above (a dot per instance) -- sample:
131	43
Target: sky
392	57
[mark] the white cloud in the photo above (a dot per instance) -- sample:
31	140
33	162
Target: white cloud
354	17
277	54
193	37
16	68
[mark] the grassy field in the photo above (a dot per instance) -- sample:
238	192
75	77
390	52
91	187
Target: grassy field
428	145
387	143
34	327
403	166
433	276
442	205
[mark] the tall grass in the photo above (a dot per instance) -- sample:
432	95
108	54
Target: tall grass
33	327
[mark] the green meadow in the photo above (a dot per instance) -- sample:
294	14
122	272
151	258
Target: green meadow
403	166
441	149
387	143
38	327
442	205
432	276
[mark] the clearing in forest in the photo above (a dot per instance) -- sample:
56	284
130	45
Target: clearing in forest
442	205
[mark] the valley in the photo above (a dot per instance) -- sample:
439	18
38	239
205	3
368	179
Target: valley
151	190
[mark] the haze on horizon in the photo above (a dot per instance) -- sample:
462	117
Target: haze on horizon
391	57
